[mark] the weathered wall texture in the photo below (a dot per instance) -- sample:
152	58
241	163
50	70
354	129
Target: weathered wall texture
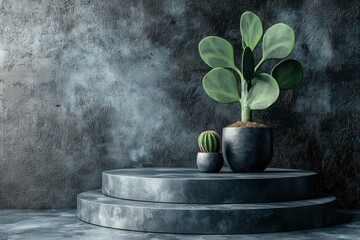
91	85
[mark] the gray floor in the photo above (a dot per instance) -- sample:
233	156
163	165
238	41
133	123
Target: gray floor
63	224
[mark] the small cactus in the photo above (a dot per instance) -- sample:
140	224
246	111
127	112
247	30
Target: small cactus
209	141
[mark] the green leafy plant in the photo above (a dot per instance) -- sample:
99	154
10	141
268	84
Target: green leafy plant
209	141
258	90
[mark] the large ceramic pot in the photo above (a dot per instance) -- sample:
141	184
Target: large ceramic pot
247	149
209	162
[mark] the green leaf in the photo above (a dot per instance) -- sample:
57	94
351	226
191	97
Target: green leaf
288	73
251	30
278	41
248	64
216	52
221	85
264	91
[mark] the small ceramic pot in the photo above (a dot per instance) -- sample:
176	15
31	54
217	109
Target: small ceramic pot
247	149
209	162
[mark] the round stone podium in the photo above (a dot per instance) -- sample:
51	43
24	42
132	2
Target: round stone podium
184	200
184	185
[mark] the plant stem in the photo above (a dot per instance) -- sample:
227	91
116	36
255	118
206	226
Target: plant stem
259	64
246	115
238	72
245	110
243	84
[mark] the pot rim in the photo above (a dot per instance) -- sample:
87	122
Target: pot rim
248	127
210	153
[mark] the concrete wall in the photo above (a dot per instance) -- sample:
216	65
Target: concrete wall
89	85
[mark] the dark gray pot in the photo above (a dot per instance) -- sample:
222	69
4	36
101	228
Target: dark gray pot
209	162
247	149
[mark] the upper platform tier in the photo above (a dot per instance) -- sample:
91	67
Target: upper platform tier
188	185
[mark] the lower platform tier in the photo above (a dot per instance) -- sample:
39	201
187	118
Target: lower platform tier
96	208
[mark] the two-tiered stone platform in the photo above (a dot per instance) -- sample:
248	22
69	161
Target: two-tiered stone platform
184	200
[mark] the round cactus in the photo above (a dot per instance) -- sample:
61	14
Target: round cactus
209	141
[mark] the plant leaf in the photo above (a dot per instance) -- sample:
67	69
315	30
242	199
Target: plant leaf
278	41
288	73
216	52
221	85
248	64
264	91
251	30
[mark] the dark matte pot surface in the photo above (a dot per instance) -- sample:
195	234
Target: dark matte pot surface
209	162
247	149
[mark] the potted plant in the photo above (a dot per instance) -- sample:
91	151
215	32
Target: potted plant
248	146
209	159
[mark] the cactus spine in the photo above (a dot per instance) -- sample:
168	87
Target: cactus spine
209	141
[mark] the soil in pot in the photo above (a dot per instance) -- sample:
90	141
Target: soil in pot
247	124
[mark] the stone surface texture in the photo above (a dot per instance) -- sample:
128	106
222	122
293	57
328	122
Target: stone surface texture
188	185
93	207
187	201
89	85
63	224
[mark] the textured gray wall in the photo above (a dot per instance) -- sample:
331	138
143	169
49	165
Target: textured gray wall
91	85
